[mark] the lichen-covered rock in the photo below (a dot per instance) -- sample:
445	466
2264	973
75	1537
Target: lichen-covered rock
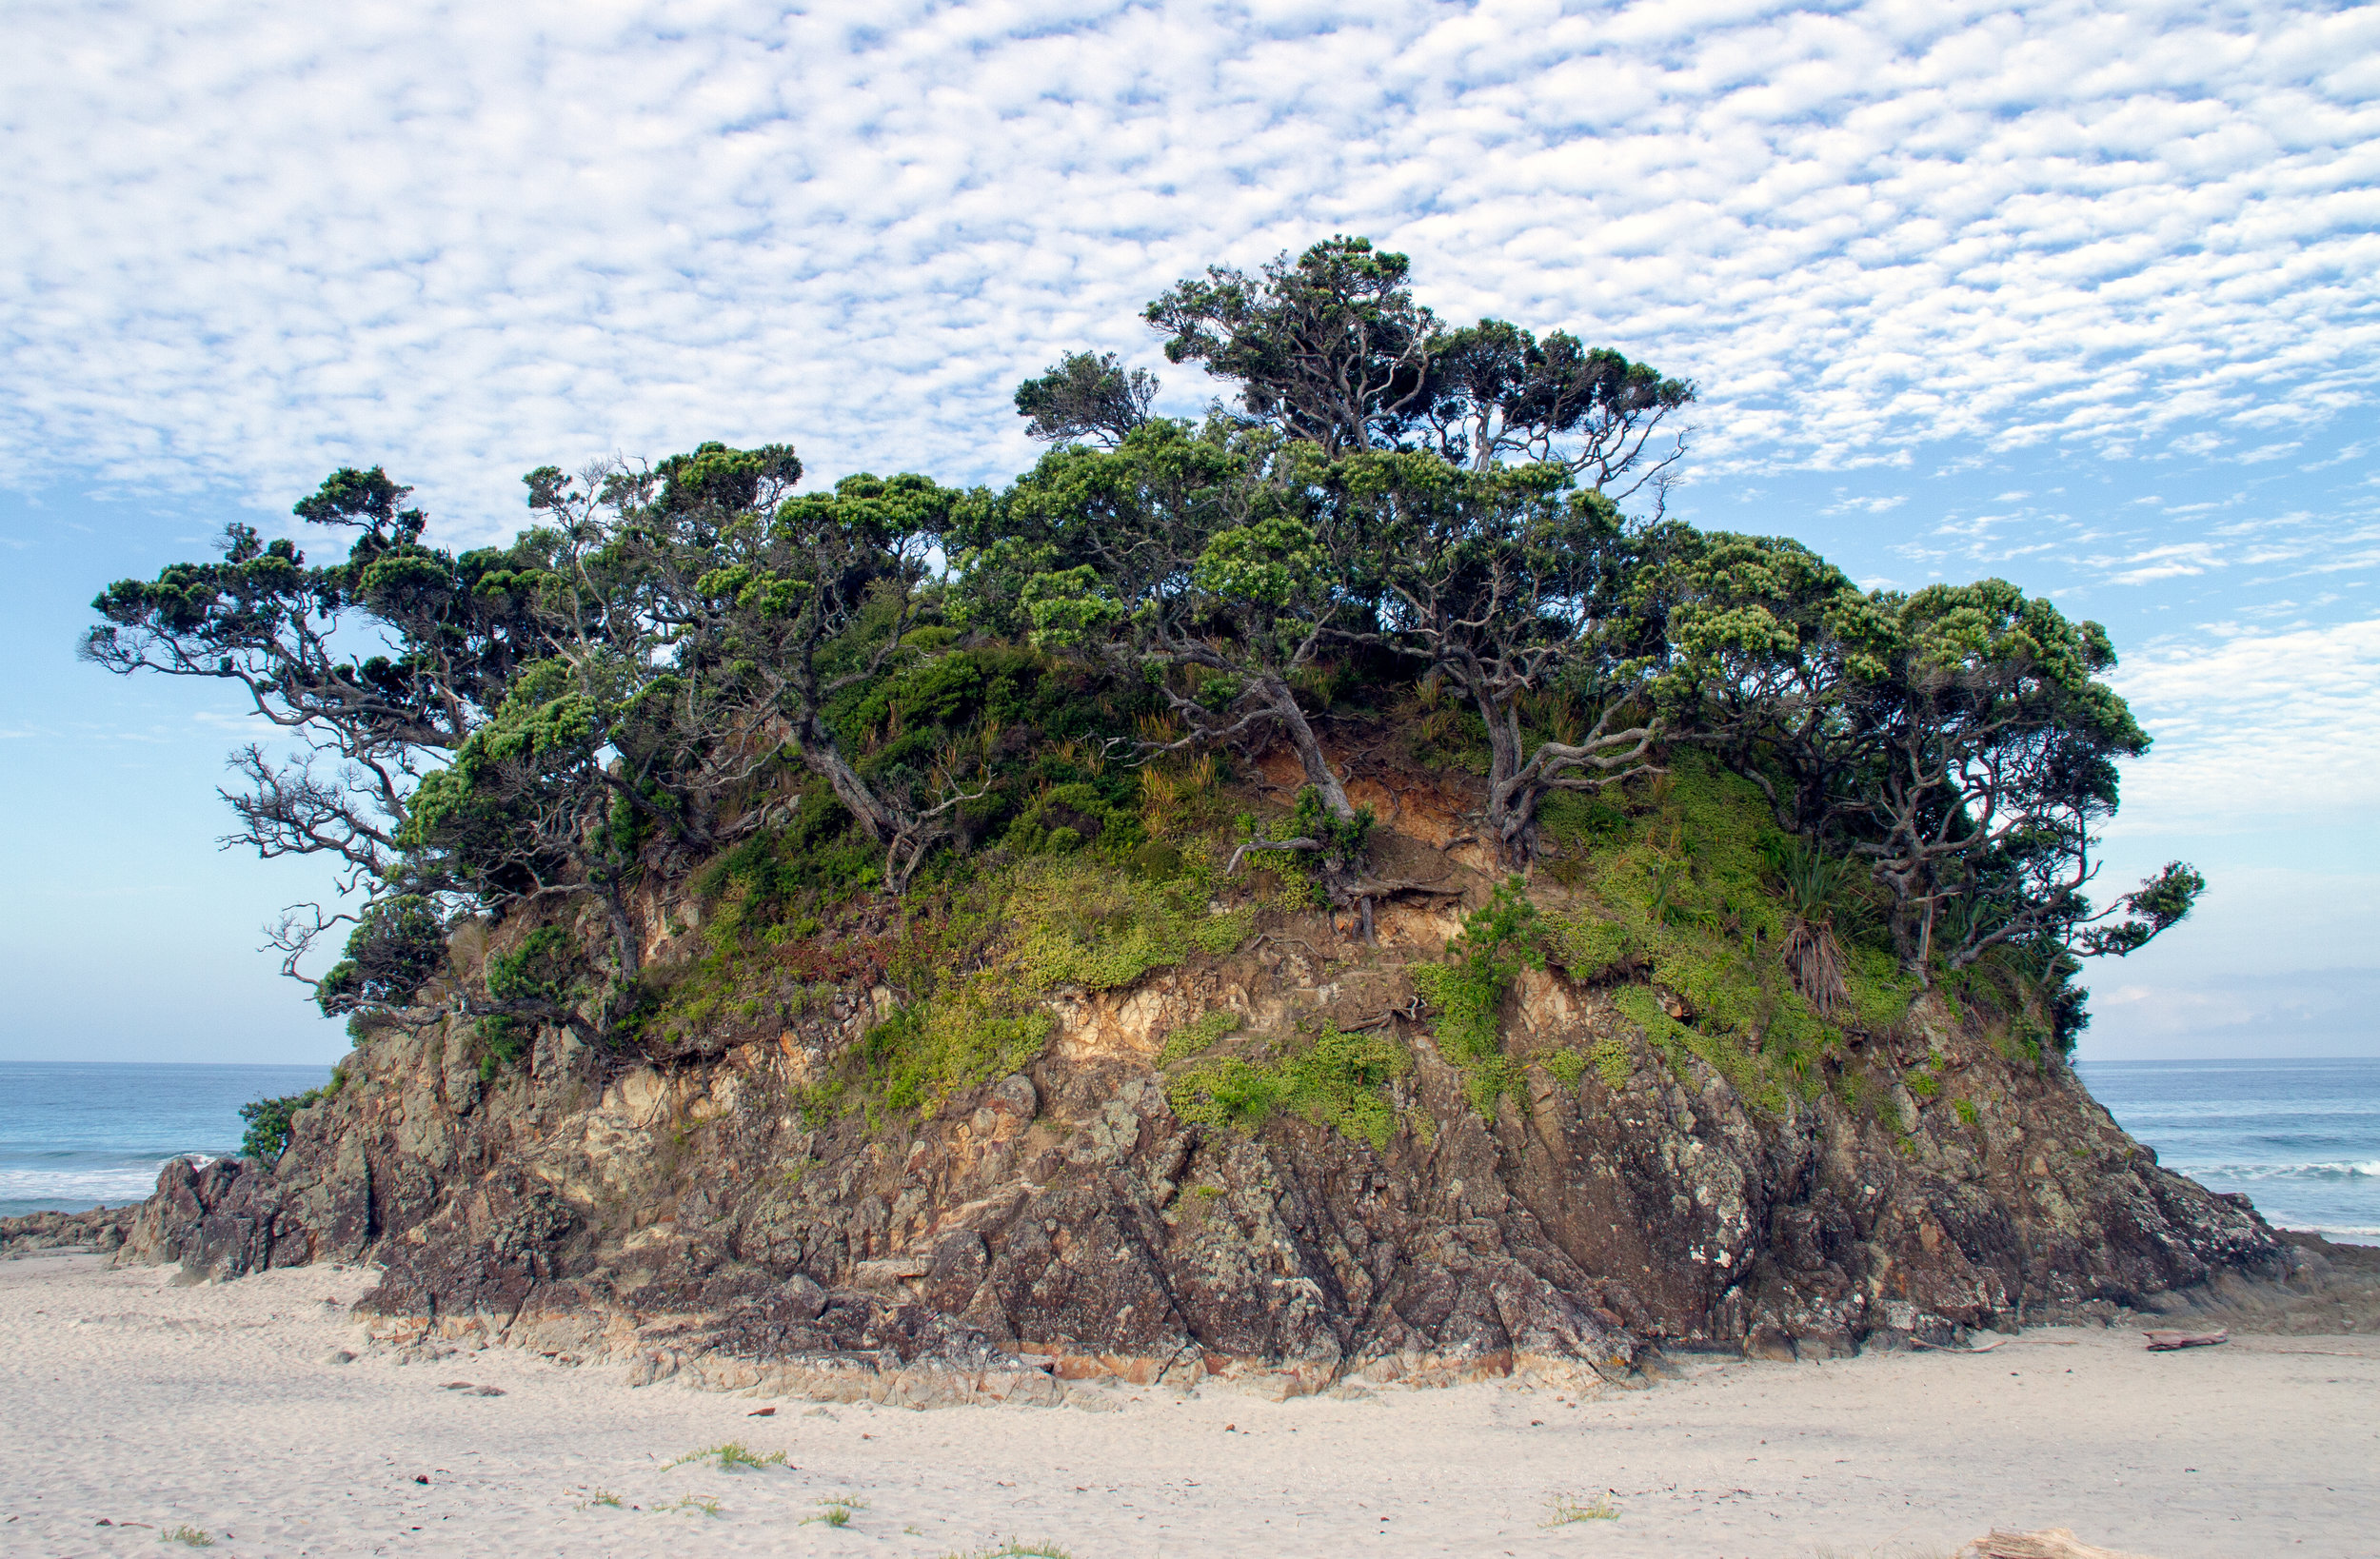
1066	1224
98	1229
1207	1140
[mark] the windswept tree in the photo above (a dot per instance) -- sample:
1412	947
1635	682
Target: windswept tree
777	605
1997	768
1520	590
1087	397
1957	740
1499	395
378	669
1192	557
1328	347
531	723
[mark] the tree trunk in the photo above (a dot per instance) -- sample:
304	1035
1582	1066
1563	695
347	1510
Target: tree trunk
905	839
624	937
1512	809
1301	737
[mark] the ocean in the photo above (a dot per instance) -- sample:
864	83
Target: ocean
78	1133
2301	1139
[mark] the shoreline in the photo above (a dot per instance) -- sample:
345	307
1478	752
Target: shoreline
242	1426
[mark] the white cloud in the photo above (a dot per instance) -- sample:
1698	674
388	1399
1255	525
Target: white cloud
2256	730
248	242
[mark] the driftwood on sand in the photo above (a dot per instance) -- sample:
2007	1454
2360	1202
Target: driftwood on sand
2165	1342
2053	1542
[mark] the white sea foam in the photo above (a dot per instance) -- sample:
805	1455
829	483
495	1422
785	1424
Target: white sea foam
2365	1169
115	1182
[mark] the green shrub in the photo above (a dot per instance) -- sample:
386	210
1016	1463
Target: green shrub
1591	948
538	970
1340	1080
503	1041
1190	1039
1568	1066
1468	989
396	946
269	1121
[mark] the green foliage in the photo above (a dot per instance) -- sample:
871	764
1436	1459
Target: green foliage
1202	1035
267	1135
1468	990
1612	1062
1816	885
397	943
502	1042
1965	1110
1343	838
1591	948
1088	925
816	860
1687	893
729	1456
1567	1066
1086	396
1011	936
539	969
1338	1080
187	1536
980	1029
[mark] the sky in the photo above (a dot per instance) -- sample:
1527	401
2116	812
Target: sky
2078	295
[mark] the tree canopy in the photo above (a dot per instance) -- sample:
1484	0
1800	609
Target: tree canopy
673	660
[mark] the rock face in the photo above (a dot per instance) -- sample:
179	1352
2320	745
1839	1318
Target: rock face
1064	1225
99	1229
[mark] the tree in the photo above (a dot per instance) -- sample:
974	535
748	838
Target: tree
376	667
1514	586
778	605
1957	740
1087	397
1996	768
1497	394
1190	557
612	740
1329	347
398	944
1776	651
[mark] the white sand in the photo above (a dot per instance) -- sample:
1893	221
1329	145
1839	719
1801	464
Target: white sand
123	1398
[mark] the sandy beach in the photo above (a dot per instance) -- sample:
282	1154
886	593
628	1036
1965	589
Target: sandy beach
222	1409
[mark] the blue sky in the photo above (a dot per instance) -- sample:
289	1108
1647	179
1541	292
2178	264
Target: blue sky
2077	294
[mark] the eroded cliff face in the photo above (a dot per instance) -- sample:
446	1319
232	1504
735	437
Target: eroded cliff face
1063	1222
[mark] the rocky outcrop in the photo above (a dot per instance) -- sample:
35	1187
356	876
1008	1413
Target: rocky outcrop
220	1221
1064	1225
98	1229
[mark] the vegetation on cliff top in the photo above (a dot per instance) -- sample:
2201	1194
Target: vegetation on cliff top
976	742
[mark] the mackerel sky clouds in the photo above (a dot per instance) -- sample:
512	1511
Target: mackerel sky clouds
2079	294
